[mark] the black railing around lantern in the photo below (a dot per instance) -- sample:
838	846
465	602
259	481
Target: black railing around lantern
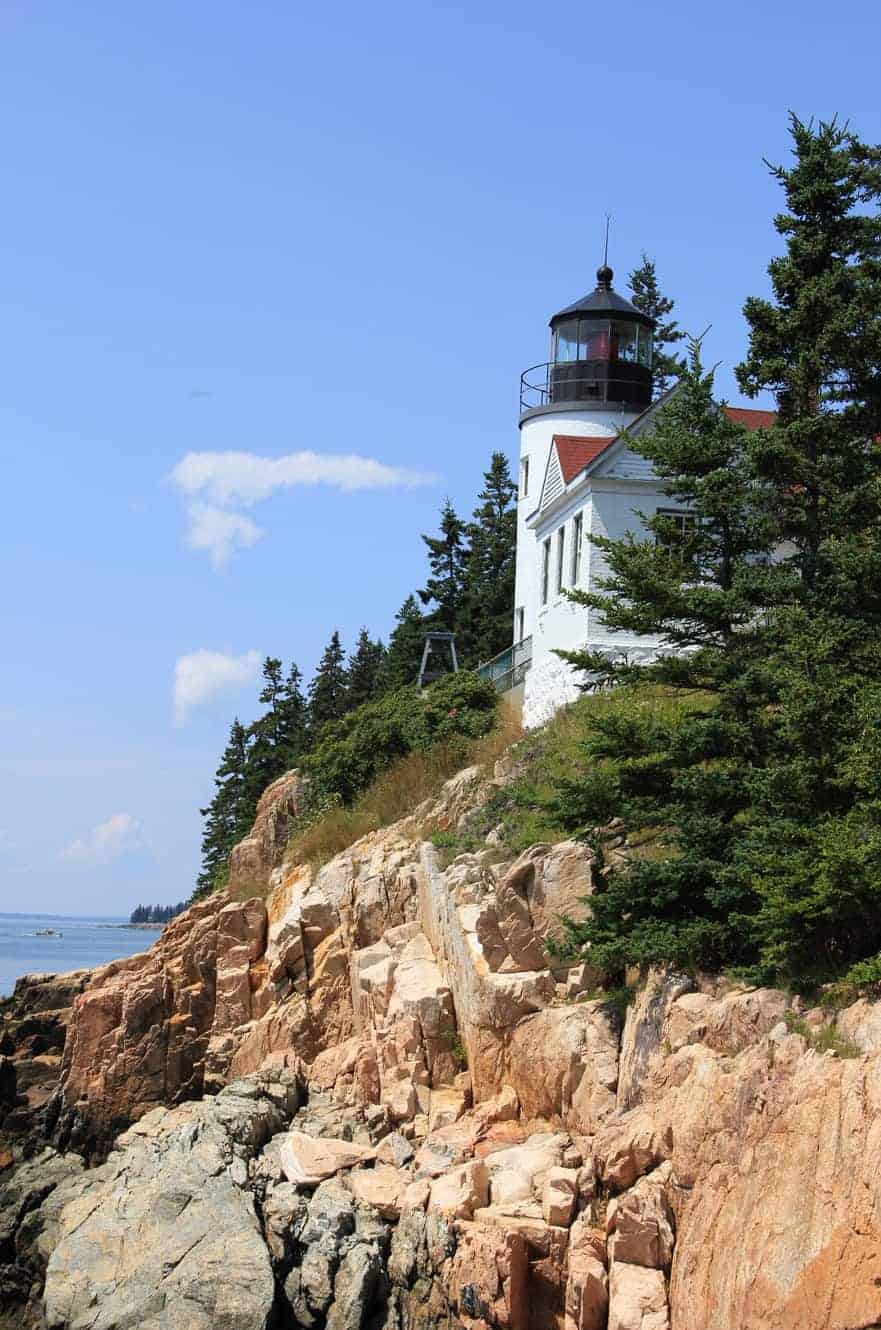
599	382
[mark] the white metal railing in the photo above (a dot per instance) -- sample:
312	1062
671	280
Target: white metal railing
509	667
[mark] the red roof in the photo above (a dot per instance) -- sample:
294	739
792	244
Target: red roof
575	452
750	418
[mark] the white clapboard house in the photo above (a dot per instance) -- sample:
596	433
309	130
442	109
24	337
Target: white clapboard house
578	477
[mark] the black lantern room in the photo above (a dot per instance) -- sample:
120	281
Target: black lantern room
601	351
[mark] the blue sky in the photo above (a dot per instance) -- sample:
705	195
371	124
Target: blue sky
272	229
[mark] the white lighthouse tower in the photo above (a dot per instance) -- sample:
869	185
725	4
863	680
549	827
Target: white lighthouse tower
573	409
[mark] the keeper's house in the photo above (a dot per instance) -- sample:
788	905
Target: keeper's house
578	477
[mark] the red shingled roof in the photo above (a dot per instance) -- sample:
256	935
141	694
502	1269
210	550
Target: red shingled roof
751	418
575	452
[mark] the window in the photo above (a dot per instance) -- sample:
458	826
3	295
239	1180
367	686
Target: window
545	569
561	542
521	625
623	344
524	477
644	349
566	342
678	526
577	533
593	339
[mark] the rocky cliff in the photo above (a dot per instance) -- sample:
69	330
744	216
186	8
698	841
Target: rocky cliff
375	1099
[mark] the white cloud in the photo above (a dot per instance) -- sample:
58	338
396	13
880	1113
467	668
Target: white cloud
119	835
204	676
232	477
215	482
218	532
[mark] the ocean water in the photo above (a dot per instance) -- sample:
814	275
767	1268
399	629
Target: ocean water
83	943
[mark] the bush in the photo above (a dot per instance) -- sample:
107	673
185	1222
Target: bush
352	752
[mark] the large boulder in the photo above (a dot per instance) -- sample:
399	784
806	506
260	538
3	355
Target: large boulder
252	860
164	1234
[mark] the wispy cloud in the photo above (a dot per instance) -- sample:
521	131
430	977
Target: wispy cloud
203	676
218	532
120	834
216	483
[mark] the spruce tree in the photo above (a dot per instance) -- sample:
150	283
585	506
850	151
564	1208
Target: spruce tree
327	691
226	815
755	767
448	561
406	643
647	297
292	720
813	849
488	612
364	671
676	765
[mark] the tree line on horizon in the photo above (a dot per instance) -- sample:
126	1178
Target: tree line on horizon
156	914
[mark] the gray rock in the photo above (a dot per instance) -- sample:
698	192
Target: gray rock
163	1236
356	1282
395	1149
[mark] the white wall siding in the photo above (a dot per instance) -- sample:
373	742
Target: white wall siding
536	434
630	466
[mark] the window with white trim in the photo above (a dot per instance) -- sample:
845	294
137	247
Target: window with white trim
524	477
545	569
561	546
521	624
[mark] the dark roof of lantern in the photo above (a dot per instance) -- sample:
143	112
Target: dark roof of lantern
602	300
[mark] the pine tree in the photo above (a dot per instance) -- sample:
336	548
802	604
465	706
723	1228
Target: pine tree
364	671
327	691
292	720
226	815
406	643
756	767
448	561
678	769
488	612
814	850
647	297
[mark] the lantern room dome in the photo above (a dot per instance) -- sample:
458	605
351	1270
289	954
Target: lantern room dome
601	356
602	300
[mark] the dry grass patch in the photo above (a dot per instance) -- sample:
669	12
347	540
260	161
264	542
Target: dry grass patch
397	793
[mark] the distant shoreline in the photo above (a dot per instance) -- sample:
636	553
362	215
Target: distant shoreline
142	926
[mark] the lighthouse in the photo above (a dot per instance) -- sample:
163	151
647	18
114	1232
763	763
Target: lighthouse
573	407
582	475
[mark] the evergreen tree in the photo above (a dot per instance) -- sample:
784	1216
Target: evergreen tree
448	561
679	771
647	297
226	816
756	767
406	643
292	720
364	671
488	611
327	691
814	851
264	761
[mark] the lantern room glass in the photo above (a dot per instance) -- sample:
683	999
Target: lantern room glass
602	339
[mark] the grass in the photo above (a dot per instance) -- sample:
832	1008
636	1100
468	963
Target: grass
825	1040
395	794
522	811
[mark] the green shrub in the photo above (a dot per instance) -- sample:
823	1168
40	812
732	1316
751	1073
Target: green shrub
352	752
